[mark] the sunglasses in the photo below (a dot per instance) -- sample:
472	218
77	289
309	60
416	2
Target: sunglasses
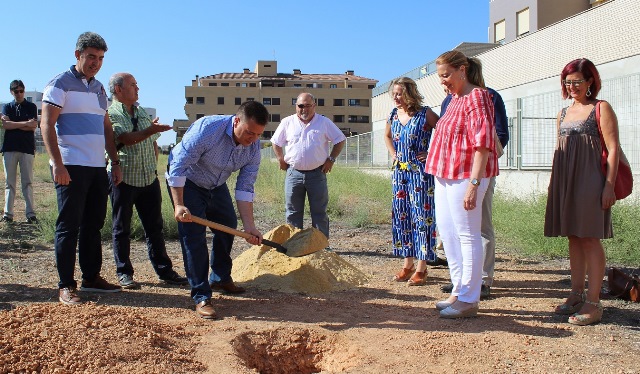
302	106
18	91
575	83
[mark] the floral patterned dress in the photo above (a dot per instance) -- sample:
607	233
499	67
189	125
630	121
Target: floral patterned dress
412	214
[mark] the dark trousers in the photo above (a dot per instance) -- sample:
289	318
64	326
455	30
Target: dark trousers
82	207
148	203
215	205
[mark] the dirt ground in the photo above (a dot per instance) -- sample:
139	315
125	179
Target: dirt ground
380	327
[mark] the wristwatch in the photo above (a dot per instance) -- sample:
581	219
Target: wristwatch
332	159
474	182
114	163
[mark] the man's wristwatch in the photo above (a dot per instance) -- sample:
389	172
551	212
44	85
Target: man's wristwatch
474	182
332	159
114	163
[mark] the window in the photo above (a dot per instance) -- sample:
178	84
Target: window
275	101
252	84
349	86
309	85
522	22
333	86
320	102
275	118
30	99
338	118
189	100
267	134
372	86
238	101
212	84
338	102
39	111
293	101
199	115
354	102
250	99
220	100
499	32
358	119
200	100
237	84
224	84
266	101
297	85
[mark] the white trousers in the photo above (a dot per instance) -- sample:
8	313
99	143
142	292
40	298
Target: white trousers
11	162
461	236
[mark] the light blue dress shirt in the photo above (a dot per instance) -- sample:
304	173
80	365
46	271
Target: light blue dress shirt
208	154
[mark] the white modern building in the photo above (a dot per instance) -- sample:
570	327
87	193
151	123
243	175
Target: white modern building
526	70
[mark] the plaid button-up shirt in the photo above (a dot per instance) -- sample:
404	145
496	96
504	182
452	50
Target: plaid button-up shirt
137	161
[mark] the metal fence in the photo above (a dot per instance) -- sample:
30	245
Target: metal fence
532	130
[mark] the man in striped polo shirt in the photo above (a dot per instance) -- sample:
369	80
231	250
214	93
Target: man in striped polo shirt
136	137
76	131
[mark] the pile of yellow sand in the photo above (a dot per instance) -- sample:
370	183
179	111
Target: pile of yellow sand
319	272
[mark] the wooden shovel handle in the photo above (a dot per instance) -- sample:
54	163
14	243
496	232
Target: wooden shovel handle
219	227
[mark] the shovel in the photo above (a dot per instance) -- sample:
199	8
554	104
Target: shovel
242	234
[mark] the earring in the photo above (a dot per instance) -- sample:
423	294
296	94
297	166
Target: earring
462	77
588	91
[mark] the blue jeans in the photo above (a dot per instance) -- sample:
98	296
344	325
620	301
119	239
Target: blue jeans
148	203
215	205
82	207
312	184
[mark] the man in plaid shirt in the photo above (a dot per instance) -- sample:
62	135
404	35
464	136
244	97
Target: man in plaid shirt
136	136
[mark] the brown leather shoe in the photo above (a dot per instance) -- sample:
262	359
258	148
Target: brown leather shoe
68	296
205	310
227	287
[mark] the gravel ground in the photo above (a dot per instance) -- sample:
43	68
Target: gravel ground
379	327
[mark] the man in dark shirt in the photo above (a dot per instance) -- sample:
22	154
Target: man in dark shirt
19	120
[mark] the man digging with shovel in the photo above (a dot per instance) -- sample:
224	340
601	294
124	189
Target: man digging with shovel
199	166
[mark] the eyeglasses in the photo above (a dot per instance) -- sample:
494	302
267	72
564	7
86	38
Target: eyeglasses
302	106
575	83
18	91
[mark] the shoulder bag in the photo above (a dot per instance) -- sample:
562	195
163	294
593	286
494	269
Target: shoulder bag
624	178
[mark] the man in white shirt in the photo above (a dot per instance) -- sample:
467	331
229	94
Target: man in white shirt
305	136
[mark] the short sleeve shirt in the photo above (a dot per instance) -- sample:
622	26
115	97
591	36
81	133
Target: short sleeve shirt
137	161
19	140
306	146
467	124
80	126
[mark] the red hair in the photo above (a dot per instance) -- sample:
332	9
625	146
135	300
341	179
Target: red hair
588	70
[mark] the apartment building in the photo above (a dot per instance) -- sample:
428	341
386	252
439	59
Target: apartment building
343	98
511	19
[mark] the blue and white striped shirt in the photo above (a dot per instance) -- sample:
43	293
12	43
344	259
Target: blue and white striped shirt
207	155
80	125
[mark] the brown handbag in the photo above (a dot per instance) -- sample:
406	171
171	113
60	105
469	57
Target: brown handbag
623	286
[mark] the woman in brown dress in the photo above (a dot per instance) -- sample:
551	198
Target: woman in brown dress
580	195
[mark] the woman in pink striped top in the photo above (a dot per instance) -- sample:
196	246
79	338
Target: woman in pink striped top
462	158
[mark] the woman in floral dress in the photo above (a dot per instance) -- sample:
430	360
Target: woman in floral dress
408	132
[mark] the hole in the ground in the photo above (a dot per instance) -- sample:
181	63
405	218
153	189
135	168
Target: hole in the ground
294	350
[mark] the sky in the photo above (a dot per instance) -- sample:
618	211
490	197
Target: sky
165	44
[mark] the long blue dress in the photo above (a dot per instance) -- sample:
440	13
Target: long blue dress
412	214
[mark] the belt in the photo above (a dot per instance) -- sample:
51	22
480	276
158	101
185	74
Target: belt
308	171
